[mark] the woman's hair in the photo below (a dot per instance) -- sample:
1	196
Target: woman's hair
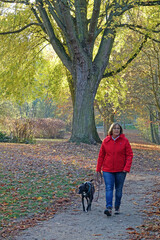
110	131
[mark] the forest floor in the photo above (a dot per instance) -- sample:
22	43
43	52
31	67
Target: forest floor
63	218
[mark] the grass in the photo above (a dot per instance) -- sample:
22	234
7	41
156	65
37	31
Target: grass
29	193
39	140
130	127
36	180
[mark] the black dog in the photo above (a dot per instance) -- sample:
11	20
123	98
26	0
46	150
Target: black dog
87	190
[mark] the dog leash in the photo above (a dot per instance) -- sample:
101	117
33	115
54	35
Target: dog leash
98	184
96	200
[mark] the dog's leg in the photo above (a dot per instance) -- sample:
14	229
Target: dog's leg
89	207
83	203
88	204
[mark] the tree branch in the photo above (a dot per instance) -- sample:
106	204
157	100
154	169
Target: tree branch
72	41
15	1
112	73
94	20
56	9
81	19
37	17
155	40
102	58
21	29
125	7
147	3
56	44
132	26
53	13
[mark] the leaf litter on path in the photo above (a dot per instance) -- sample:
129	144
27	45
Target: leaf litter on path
39	180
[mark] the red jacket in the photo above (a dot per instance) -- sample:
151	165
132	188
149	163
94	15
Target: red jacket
115	156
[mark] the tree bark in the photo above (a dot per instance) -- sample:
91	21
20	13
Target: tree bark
159	126
83	126
106	126
151	127
107	123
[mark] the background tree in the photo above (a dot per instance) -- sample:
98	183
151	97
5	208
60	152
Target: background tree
19	67
83	33
144	90
111	99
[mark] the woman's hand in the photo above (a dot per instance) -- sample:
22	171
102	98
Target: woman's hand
99	178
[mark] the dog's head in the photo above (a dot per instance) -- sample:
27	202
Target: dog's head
85	187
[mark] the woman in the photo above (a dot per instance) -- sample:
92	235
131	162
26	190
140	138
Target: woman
115	159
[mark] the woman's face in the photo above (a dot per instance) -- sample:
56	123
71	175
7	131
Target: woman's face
116	131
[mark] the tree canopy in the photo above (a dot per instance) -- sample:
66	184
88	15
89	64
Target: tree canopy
85	34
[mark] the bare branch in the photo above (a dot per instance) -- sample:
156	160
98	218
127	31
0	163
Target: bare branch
125	7
15	1
21	29
94	20
55	42
38	18
81	19
155	40
112	73
147	3
72	41
55	16
132	26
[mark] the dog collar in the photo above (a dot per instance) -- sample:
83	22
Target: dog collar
89	187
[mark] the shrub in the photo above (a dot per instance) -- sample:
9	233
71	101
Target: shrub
48	128
4	137
21	130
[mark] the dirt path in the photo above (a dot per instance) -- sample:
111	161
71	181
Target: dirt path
74	224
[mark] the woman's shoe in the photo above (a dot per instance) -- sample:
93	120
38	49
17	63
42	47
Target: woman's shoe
108	211
117	211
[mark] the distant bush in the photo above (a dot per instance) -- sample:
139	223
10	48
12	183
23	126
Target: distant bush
48	128
4	137
21	131
18	130
24	130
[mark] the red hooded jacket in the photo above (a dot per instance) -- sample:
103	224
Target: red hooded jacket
115	156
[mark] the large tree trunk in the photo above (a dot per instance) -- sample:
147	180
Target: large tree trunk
83	126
